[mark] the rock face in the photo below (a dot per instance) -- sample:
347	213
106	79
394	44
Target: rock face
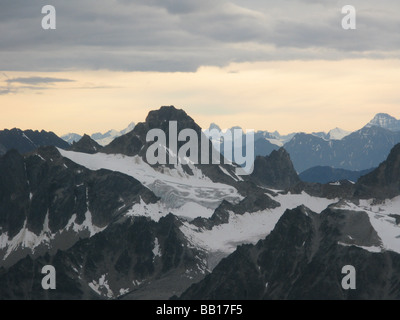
383	182
134	142
116	263
86	145
303	258
28	140
275	171
46	197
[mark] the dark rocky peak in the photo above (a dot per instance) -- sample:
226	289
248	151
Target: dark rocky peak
383	182
160	118
275	170
87	145
134	142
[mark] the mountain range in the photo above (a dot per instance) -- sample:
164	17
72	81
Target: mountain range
116	227
360	150
28	140
101	138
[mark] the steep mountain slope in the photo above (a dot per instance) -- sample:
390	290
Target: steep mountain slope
275	170
86	144
384	182
48	202
303	258
131	258
28	140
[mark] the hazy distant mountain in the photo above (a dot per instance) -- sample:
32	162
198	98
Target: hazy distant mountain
362	149
265	142
71	137
102	139
28	140
105	138
214	126
324	174
386	121
334	134
337	134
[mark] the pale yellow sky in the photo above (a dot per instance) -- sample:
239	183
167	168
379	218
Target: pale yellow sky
286	96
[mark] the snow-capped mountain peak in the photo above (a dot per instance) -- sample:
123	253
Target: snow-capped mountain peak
385	121
71	137
129	128
337	134
101	138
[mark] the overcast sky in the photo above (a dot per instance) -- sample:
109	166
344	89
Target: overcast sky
108	48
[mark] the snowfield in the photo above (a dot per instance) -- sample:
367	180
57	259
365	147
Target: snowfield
249	227
174	186
386	227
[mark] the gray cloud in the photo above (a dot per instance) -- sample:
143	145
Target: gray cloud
181	35
5	90
37	80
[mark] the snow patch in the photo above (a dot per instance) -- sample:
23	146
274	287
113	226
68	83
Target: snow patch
156	249
28	239
101	286
370	249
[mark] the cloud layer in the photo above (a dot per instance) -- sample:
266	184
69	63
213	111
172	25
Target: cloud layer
182	35
37	80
